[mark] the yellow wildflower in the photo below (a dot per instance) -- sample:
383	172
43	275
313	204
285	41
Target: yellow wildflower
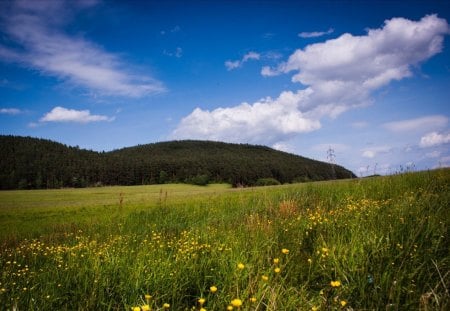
202	309
236	302
277	270
145	308
285	251
201	301
343	303
314	308
335	283
276	261
148	297
166	306
136	308
229	308
265	278
240	266
252	299
213	289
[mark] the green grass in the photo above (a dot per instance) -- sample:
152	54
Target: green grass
386	240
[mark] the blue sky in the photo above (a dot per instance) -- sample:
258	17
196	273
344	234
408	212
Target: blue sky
371	80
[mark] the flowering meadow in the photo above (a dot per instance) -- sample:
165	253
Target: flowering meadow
379	243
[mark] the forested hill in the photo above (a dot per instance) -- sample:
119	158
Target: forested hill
31	163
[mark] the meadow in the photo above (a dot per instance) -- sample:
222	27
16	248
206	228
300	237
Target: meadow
365	244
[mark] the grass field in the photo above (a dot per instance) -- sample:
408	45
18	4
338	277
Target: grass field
368	244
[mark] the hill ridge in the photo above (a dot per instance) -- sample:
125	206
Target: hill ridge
34	163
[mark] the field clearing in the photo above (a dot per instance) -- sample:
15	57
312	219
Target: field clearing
378	243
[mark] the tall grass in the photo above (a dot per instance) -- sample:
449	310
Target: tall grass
380	243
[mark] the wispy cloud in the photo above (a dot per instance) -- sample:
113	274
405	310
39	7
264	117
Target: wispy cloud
10	111
315	34
173	30
39	42
238	63
372	152
337	75
177	53
61	114
418	124
359	124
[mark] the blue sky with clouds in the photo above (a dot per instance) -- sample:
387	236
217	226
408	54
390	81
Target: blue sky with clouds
370	79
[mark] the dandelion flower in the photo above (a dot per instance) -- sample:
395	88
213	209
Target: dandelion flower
236	303
314	308
202	309
166	306
252	299
229	308
136	308
276	261
148	297
213	289
265	278
285	251
335	283
240	266
145	308
343	303
201	301
277	270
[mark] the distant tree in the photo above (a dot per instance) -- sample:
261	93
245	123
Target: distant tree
163	177
267	182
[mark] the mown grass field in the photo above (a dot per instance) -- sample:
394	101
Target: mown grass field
370	244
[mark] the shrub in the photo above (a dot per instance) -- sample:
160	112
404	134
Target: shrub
267	182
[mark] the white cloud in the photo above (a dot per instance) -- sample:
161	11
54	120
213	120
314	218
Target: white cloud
375	151
61	114
360	124
282	146
434	139
421	124
267	121
10	111
338	75
343	72
433	154
315	34
443	162
238	63
35	30
177	53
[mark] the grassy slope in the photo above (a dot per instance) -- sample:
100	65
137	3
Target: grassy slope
384	239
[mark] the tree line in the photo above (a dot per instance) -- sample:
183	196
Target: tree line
32	163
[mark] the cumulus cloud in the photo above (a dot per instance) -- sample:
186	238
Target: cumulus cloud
238	63
315	34
38	41
434	139
61	114
422	124
268	120
337	75
10	111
